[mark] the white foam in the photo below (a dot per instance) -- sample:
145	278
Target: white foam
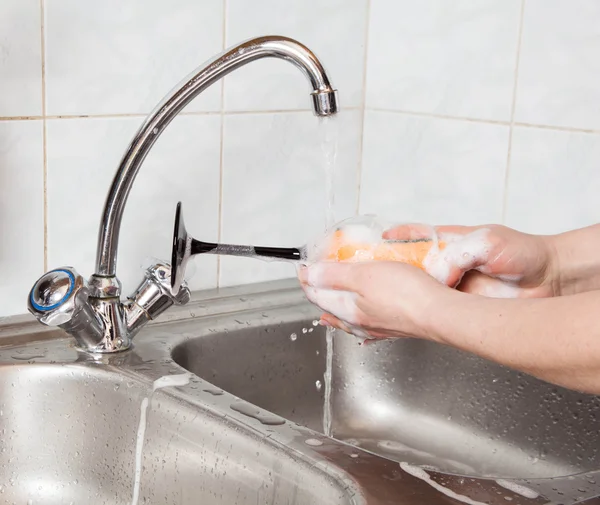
162	382
342	304
419	473
464	252
171	380
518	489
404	450
364	230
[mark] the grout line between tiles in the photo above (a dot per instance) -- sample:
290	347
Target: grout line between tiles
363	107
512	115
567	129
222	147
439	116
44	133
139	115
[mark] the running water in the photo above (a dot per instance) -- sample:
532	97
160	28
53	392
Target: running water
329	146
328	379
163	382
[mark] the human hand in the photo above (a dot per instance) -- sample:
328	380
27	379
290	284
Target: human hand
374	299
493	260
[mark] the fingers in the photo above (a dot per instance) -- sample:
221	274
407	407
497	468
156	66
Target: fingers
330	275
332	321
340	303
409	232
448	233
476	283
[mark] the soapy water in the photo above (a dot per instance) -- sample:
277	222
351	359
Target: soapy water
420	473
163	382
518	489
397	451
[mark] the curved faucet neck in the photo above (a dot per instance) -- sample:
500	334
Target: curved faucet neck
324	102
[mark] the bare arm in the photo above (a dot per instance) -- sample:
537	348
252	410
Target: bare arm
576	260
555	339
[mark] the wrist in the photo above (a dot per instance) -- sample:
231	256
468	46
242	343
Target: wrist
575	262
552	245
440	315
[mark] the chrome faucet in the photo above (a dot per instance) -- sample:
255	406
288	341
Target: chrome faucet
92	311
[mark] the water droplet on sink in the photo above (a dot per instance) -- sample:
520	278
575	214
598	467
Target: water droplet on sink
304	330
213	391
319	385
26	356
313	442
315	322
262	416
293	337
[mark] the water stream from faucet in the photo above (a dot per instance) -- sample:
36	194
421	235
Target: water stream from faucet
329	133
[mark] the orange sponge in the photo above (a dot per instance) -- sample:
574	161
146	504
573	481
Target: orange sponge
343	248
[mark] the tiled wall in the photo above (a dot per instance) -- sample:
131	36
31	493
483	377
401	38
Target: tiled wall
465	111
483	111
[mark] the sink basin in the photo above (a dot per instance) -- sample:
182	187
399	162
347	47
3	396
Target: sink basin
406	420
68	435
407	400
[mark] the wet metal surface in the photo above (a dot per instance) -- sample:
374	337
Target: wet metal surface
248	426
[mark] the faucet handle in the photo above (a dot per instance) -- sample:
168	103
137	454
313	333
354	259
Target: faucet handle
153	296
60	298
53	298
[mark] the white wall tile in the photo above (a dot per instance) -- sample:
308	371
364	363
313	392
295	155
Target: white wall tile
20	58
274	190
21	212
454	58
83	155
123	57
560	68
554	180
430	170
334	29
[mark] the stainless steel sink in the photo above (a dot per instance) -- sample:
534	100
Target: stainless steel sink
407	400
248	428
68	435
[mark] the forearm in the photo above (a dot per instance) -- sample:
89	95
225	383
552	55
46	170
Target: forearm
576	260
555	339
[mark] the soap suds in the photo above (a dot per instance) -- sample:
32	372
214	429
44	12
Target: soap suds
341	304
462	252
518	489
419	473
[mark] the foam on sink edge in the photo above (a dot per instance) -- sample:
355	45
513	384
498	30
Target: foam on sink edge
419	473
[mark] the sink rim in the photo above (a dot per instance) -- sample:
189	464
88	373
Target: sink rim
213	308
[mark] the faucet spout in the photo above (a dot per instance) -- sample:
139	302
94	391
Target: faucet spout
92	310
324	103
